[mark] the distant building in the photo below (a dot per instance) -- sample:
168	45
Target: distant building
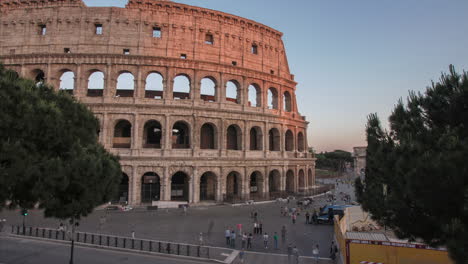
361	240
359	155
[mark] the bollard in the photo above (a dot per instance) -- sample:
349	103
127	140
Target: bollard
188	250
50	233
198	251
43	232
30	231
116	242
151	246
141	244
56	234
100	240
178	249
85	237
159	247
124	242
92	239
37	232
108	241
17	230
168	248
63	235
77	237
133	243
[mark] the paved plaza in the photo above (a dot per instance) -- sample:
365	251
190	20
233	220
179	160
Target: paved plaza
175	226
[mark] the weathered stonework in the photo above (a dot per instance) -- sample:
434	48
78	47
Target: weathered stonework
44	39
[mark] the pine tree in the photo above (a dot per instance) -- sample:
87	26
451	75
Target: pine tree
416	179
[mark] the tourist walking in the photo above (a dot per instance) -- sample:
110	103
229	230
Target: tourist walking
290	251
307	217
295	252
133	234
255	228
233	239
316	253
227	234
241	256
293	217
200	239
265	240
283	234
244	240
275	239
260	228
249	241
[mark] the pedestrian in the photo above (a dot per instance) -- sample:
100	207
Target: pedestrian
283	234
255	228
293	217
241	256
255	216
286	210
316	253
282	211
249	241
200	239
185	209
227	234
314	217
307	217
265	240
243	240
133	234
275	239
332	247
233	239
295	252
290	251
102	221
61	228
260	228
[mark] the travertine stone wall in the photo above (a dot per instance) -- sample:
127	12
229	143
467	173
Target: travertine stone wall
70	44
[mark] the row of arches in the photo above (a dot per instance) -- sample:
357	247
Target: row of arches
154	88
181	137
209	186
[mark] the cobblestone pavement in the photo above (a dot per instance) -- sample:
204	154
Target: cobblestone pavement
172	225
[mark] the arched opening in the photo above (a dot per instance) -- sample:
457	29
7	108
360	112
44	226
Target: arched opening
256	185
301	180
289	141
152	134
154	87
207	136
125	85
256	140
180	187
150	187
255	95
96	84
310	178
180	136
300	142
67	81
208	89
232	92
274	183
181	89
274	139
234	140
121	196
208	186
233	186
287	101
39	77
290	183
272	98
122	134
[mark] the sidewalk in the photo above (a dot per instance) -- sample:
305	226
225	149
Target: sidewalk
263	258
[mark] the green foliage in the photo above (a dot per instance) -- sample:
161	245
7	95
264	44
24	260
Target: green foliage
49	153
335	160
422	164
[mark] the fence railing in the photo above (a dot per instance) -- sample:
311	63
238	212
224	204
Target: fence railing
143	245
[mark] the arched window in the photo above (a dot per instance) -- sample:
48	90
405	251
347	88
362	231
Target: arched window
67	81
289	141
207	137
301	180
233	185
232	92
272	98
39	77
122	134
208	186
181	87
233	138
208	90
180	187
287	101
256	140
274	139
96	84
255	95
310	178
150	187
274	182
256	185
180	136
122	194
152	134
125	85
300	142
154	87
290	182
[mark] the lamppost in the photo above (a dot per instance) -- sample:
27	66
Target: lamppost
74	224
24	213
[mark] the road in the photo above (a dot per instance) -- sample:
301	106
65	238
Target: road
25	251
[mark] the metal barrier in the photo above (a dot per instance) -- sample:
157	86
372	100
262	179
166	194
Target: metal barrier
143	245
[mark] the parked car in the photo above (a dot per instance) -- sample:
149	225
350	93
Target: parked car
305	201
328	212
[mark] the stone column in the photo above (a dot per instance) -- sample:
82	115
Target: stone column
140	84
79	89
166	185
219	187
136	187
168	85
109	87
136	138
266	183
195	189
246	185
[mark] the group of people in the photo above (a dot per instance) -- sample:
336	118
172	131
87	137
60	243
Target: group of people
246	240
293	213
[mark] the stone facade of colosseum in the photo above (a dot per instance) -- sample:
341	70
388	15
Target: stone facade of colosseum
199	104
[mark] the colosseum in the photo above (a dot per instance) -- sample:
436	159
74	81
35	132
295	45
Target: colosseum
199	104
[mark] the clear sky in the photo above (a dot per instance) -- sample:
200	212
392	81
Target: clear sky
353	58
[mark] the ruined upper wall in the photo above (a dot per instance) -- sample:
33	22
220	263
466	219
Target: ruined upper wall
71	25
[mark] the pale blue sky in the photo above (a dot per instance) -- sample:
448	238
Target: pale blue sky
352	58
